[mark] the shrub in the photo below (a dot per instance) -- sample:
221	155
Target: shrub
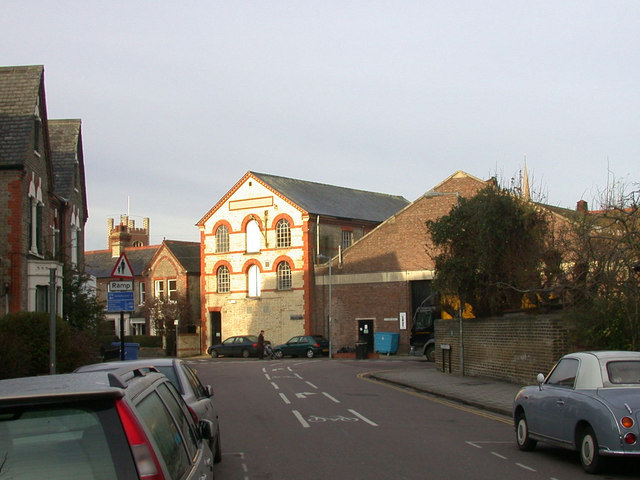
24	343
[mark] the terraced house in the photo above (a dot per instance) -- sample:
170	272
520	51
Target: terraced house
43	207
260	243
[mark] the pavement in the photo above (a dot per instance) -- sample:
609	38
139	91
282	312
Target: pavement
485	393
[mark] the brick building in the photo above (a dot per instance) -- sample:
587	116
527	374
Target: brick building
259	244
43	209
377	283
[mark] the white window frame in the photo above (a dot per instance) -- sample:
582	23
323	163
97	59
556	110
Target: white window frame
253	236
253	281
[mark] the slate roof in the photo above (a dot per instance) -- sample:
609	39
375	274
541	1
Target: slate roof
329	200
19	88
64	137
187	253
100	263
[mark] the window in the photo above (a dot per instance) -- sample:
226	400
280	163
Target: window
142	289
284	276
254	281
564	374
347	238
42	298
253	236
283	234
35	225
172	290
159	289
224	283
222	239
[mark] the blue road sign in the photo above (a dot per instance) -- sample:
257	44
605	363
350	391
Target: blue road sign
120	302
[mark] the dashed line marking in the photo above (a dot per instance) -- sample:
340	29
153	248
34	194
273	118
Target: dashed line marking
275	385
285	399
300	419
525	467
499	456
311	385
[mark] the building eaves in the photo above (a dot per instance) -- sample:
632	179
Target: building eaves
100	263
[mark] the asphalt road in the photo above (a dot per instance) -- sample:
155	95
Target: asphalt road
320	419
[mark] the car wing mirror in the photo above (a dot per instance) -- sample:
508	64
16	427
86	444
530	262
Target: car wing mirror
540	379
206	429
209	390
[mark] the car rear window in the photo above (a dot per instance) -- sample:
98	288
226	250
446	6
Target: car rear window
624	372
83	440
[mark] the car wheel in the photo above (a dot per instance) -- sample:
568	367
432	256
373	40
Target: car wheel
278	354
589	454
310	353
430	353
217	455
213	354
525	442
245	353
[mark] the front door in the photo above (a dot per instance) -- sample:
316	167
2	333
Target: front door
215	320
365	333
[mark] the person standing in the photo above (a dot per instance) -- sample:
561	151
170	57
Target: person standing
261	345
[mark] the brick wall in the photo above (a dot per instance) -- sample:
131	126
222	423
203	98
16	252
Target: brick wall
512	348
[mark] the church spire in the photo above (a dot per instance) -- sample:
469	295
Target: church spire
526	193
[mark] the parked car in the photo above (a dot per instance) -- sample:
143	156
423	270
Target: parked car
239	346
198	397
128	423
309	345
589	402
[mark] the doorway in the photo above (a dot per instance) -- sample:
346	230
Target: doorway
215	320
365	333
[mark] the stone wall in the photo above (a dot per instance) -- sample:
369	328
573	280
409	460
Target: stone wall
514	348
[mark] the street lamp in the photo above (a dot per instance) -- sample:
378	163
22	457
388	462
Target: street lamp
324	258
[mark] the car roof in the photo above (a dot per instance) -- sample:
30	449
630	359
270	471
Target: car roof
143	362
57	386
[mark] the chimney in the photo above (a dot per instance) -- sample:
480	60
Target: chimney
582	206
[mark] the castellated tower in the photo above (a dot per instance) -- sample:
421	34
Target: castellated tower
126	234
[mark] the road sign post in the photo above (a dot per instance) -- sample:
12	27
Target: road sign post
120	294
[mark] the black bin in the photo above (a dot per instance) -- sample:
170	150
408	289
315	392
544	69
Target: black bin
361	351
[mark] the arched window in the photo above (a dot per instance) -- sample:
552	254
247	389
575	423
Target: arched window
284	276
283	234
224	283
253	279
222	239
253	236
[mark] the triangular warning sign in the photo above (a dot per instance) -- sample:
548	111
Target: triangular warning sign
122	268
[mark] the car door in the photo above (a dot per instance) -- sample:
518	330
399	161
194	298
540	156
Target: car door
196	395
227	346
294	349
552	404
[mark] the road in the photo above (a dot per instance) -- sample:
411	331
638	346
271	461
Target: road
322	419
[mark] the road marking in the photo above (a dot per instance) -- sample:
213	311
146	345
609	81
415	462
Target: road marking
363	418
499	456
330	397
474	444
275	385
300	419
311	385
525	467
305	394
284	398
297	375
267	376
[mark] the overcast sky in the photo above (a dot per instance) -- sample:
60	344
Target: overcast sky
178	100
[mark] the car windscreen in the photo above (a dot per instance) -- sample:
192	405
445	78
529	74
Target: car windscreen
624	372
80	440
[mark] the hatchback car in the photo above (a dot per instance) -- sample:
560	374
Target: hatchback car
589	402
309	345
124	424
198	397
238	346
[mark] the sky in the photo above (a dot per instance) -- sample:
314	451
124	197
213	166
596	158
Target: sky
179	99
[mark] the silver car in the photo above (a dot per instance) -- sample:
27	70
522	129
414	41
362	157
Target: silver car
197	396
589	402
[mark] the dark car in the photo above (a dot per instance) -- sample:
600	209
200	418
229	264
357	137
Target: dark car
238	346
198	397
309	345
128	423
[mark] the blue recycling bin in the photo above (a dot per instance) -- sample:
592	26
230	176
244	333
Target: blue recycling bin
386	342
130	350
